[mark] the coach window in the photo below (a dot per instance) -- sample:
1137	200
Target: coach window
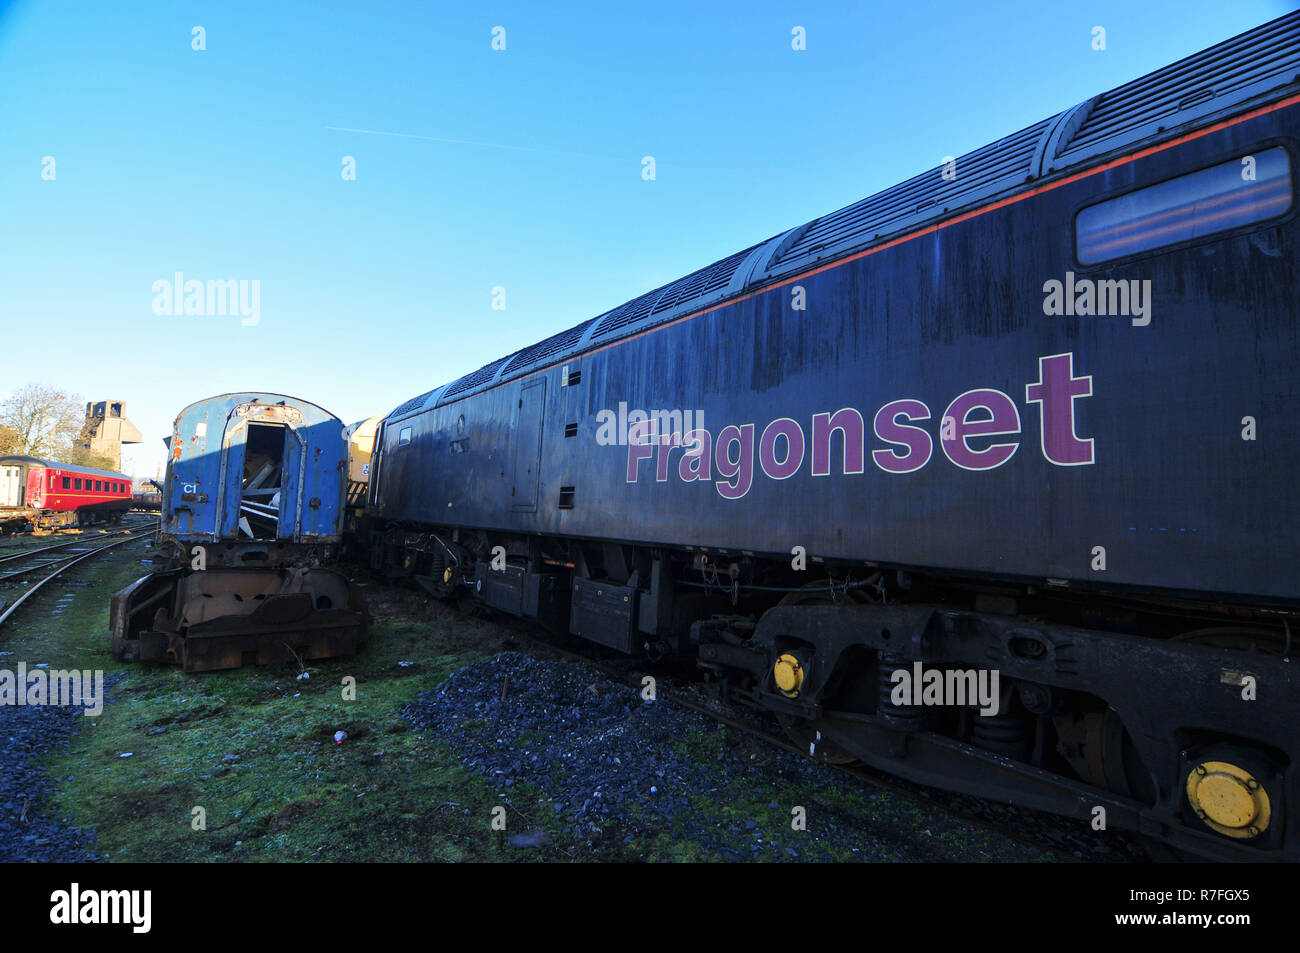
67	483
77	483
99	486
1242	191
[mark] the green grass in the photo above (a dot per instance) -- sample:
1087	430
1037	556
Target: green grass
254	749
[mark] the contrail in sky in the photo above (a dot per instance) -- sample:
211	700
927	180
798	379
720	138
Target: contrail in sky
471	142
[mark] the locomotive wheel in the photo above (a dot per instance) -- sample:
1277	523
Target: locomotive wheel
800	731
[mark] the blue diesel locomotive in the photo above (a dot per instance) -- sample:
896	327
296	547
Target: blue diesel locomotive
252	512
1030	420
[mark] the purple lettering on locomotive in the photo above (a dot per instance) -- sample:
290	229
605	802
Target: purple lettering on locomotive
980	412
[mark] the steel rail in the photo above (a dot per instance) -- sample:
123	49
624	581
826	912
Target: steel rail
31	590
45	549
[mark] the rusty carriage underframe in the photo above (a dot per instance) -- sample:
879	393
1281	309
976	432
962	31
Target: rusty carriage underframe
224	618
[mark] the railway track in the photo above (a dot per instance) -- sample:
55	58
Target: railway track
30	546
1060	840
59	558
23	542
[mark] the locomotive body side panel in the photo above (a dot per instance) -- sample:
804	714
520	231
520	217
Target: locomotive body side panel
1066	433
1072	366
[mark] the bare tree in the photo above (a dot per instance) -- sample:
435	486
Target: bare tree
8	440
46	421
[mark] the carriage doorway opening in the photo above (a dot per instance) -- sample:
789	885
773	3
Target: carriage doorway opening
261	490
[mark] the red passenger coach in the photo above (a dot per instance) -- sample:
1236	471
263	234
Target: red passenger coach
46	494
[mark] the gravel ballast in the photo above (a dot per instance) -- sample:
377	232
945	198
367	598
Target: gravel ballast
616	767
26	834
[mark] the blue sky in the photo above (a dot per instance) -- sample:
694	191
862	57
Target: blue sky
225	164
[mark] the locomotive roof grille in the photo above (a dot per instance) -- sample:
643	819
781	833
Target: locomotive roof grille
625	314
1271	50
481	376
701	283
706	283
413	404
552	345
1007	162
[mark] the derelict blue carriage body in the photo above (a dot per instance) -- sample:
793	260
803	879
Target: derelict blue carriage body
252	511
1041	406
204	498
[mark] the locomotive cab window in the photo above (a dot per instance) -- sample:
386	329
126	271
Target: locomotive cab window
404	436
1239	192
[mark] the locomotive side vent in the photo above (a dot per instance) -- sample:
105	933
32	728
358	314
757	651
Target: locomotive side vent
566	497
